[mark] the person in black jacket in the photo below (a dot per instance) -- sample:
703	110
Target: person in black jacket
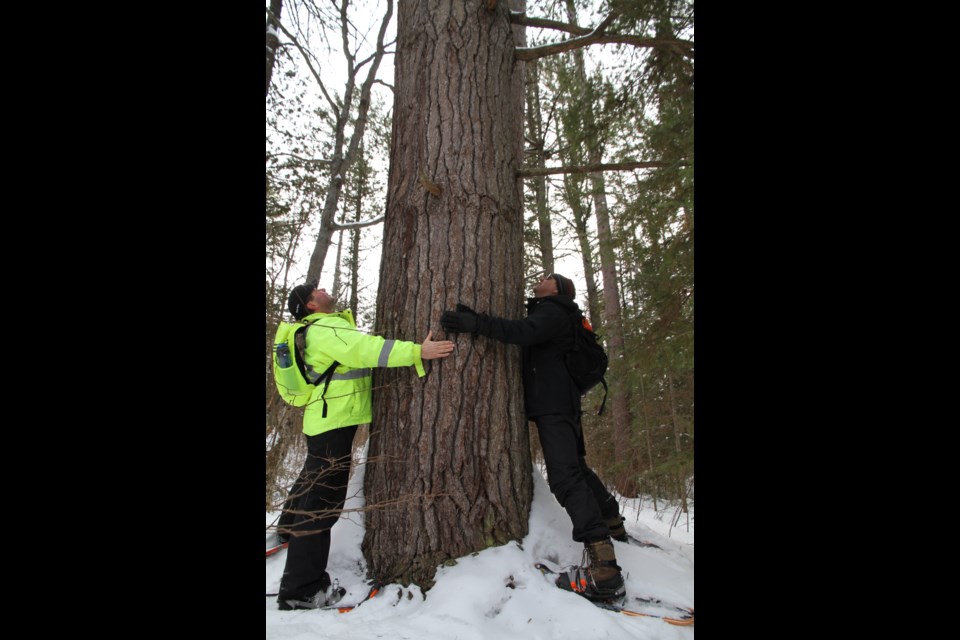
553	402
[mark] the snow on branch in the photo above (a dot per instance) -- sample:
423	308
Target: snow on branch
357	225
591	168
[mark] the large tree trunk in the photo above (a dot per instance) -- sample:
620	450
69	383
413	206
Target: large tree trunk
449	470
272	41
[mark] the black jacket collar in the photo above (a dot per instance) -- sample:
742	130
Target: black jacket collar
564	301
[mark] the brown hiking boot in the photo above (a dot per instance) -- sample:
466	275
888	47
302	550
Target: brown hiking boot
601	579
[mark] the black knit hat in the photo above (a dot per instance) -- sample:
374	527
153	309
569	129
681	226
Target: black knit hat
299	297
564	285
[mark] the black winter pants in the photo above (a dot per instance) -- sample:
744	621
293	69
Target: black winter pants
317	497
576	487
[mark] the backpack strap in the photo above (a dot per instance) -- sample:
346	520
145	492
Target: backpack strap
300	342
603	381
311	375
328	375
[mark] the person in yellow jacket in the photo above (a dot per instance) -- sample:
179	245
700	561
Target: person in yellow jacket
317	497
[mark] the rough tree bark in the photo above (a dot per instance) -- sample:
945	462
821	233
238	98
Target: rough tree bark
450	469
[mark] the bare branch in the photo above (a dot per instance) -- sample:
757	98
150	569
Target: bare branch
591	168
543	23
361	122
596	35
344	161
602	27
357	225
345	34
293	155
306	58
366	60
683	47
387	85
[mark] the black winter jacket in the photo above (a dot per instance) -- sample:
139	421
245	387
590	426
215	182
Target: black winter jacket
545	334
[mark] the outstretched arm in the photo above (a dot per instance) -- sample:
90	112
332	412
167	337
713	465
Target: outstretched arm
356	349
534	329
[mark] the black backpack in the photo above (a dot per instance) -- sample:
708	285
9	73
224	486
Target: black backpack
587	361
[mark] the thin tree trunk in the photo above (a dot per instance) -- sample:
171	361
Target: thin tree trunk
673	413
536	136
283	422
272	41
341	162
646	429
355	252
287	421
586	253
573	196
613	326
617	377
450	468
337	267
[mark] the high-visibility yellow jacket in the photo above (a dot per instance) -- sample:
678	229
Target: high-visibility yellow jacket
334	336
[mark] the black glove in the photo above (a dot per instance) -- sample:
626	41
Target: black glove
463	320
459	321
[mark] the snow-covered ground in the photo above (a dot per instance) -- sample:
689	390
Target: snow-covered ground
472	600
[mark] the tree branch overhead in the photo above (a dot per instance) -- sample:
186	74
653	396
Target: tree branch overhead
591	168
591	36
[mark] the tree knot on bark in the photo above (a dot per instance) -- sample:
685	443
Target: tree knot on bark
429	185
